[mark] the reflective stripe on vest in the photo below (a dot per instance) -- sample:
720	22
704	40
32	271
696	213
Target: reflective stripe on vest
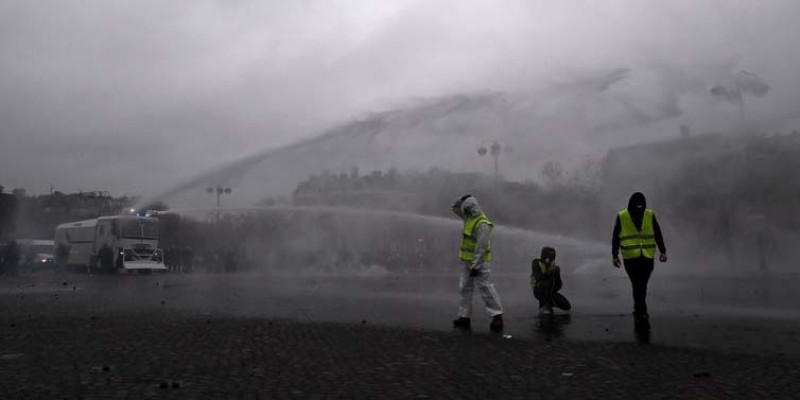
542	267
469	239
634	243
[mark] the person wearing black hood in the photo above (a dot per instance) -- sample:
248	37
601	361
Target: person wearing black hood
637	234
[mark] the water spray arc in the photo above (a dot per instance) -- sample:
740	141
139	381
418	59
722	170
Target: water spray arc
411	137
362	227
226	171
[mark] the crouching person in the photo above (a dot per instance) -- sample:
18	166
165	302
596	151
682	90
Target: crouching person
546	282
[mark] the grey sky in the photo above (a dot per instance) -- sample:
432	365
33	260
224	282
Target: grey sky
130	96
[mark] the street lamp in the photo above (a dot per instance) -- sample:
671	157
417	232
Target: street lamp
494	150
219	190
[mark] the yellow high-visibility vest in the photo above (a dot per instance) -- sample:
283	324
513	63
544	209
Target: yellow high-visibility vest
542	268
635	243
469	239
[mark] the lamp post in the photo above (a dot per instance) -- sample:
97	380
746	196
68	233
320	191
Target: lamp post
494	149
219	190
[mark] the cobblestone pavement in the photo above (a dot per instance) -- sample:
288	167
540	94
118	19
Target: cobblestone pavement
169	355
97	340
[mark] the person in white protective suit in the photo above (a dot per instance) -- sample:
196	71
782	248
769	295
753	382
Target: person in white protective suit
476	256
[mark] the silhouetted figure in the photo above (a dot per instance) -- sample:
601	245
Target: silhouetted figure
217	260
761	233
187	259
106	257
231	263
723	234
207	259
170	258
62	257
167	258
636	234
30	258
11	258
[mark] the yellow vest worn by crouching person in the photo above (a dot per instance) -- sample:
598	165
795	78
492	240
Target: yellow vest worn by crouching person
542	267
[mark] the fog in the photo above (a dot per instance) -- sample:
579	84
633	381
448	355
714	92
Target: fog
136	98
237	198
377	114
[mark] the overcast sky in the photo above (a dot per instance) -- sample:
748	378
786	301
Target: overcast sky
130	96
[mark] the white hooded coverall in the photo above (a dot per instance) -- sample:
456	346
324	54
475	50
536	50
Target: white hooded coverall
470	207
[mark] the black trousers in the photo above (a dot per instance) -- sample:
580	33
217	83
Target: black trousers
639	271
547	293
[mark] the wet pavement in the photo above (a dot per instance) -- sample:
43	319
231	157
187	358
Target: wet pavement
363	335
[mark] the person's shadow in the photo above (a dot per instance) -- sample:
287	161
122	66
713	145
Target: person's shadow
551	326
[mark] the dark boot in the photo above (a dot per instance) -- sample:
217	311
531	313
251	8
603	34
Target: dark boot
462	323
497	323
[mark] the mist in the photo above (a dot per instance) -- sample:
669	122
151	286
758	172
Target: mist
169	91
360	106
250	198
162	102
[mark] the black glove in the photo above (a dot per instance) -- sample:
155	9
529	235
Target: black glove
474	272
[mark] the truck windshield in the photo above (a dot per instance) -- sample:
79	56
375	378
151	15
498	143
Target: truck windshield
139	229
